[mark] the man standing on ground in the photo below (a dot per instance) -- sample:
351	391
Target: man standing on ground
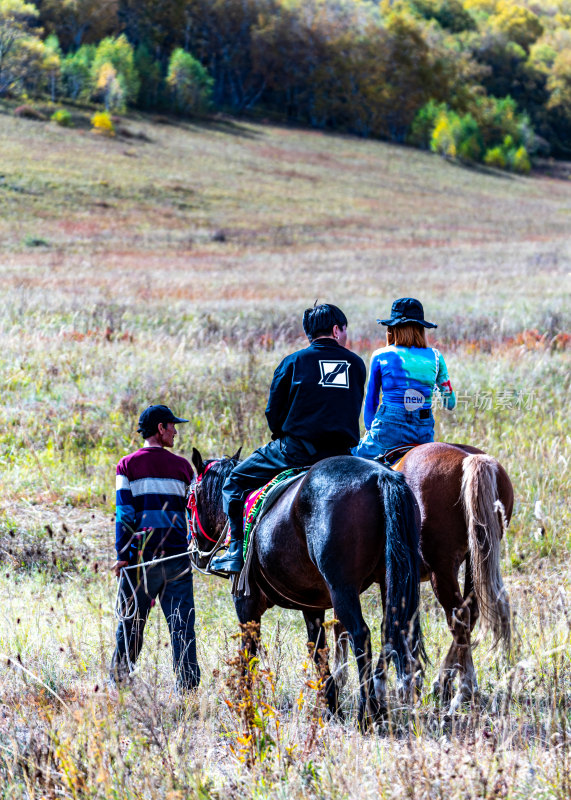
313	413
152	487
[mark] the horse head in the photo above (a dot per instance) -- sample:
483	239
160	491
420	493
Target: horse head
207	518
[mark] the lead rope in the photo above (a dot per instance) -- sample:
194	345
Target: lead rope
122	601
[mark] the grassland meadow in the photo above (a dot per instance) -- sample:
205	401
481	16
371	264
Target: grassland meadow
172	263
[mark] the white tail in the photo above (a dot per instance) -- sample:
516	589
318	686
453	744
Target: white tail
486	521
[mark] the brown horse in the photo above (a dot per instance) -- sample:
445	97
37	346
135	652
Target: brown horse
466	501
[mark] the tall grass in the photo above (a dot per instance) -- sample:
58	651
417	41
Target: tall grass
183	281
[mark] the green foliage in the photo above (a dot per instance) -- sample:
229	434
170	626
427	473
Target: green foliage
76	69
495	157
493	132
18	44
449	14
189	81
520	161
62	117
456	136
424	122
152	85
470	144
114	73
445	135
517	23
559	84
498	118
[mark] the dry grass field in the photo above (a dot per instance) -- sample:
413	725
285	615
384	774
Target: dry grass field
172	264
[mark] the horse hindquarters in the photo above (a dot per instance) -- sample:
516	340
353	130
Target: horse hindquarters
485	515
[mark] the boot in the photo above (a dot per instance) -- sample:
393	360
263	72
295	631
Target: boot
233	559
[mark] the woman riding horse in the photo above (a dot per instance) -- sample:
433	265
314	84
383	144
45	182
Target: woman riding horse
406	371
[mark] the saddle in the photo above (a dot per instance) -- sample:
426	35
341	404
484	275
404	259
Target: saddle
257	504
394	455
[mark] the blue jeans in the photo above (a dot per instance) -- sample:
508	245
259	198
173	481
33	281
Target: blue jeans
171	582
393	426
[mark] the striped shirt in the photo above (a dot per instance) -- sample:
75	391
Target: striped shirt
152	488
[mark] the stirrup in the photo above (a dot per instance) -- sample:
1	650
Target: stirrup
220	564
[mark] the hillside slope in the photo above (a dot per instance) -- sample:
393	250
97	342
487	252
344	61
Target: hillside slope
213	215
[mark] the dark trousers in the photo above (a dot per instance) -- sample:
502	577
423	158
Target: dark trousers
170	582
264	464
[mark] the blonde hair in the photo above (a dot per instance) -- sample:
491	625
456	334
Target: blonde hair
411	334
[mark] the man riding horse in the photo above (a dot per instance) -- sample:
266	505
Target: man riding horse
313	413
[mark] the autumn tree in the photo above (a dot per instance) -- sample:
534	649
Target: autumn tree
76	22
517	23
113	71
19	46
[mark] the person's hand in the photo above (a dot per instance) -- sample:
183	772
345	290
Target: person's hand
118	566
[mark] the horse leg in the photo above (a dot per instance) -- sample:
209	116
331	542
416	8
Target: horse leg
317	640
380	677
249	611
348	610
464	663
447	593
341	657
464	622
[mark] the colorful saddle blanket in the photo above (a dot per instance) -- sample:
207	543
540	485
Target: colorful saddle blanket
261	500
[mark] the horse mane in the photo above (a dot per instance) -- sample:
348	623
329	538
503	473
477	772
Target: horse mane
213	479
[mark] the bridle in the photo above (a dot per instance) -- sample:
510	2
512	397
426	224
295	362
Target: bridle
196	525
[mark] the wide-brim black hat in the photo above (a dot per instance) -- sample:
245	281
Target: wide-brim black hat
152	415
407	309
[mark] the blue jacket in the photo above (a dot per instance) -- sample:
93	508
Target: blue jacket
407	377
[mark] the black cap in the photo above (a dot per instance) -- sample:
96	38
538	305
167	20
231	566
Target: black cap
406	309
151	416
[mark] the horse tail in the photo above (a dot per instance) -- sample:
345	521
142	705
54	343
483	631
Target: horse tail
402	623
486	522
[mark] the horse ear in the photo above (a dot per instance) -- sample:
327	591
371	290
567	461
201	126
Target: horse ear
236	456
197	461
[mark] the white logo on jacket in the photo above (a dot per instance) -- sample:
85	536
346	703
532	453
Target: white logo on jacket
334	373
413	399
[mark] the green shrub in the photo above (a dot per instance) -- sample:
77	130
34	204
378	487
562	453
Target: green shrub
62	117
495	157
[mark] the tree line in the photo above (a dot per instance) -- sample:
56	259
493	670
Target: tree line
477	80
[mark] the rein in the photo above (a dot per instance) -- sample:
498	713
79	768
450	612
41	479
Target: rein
195	525
194	518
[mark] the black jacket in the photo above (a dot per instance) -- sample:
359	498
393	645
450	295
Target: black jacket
316	395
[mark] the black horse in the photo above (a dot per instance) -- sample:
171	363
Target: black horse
344	525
